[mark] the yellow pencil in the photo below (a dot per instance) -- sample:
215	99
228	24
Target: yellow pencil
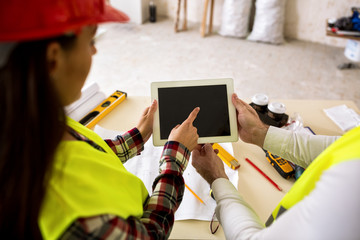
195	194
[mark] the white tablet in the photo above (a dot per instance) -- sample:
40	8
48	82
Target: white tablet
216	121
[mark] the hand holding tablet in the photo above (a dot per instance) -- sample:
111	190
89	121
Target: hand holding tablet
216	121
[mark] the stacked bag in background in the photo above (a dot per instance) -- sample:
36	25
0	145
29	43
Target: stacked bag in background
268	23
235	18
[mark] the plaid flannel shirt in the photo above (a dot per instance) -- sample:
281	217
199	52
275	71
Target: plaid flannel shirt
159	208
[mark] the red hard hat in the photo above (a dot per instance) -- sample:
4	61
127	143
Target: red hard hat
22	20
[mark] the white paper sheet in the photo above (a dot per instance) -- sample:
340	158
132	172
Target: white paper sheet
146	167
344	117
190	207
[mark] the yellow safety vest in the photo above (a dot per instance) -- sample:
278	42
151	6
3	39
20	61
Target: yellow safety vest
347	148
86	182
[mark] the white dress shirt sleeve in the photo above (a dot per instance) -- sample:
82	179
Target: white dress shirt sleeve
298	148
331	211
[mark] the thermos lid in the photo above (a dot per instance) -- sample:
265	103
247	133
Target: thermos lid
260	99
277	107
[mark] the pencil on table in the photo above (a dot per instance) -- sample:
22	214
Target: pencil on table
198	198
262	173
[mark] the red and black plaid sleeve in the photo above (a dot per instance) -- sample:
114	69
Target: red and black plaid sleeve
127	145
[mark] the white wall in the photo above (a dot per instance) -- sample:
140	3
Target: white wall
304	19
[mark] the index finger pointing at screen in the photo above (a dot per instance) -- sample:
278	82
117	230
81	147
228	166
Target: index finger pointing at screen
192	116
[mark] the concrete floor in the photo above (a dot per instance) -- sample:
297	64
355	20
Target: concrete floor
131	56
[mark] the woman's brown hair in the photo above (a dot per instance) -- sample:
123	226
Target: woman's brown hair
32	123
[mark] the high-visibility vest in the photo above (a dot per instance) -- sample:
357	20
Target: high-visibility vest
86	182
347	148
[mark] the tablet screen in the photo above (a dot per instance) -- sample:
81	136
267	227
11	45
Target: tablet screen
176	103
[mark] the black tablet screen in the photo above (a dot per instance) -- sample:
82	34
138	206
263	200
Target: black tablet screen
176	103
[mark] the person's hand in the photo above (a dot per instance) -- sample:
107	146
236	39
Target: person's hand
251	128
207	163
186	133
145	125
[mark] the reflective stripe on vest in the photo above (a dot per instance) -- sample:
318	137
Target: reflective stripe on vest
346	148
87	182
